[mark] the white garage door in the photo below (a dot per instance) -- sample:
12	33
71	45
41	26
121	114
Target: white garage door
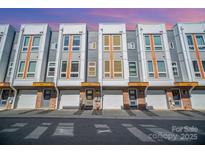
198	99
26	99
69	99
156	99
113	99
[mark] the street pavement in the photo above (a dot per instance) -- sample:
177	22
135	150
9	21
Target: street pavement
109	127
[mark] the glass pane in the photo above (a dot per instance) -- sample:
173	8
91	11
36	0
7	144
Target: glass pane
157	40
32	66
36	41
76	48
132	68
74	66
117	66
51	64
106	40
107	66
66	40
76	40
150	67
195	65
161	66
200	40
26	40
190	40
64	66
74	75
21	67
116	40
203	64
147	41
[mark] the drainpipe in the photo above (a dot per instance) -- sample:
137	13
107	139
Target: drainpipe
190	90
15	94
145	91
101	90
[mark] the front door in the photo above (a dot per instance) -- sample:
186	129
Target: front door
177	98
4	95
133	98
89	98
46	98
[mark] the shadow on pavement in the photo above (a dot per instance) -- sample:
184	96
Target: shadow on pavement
97	112
79	112
197	112
27	111
149	113
183	113
45	111
130	113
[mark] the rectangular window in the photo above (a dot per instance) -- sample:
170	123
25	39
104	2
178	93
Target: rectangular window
117	69
92	69
190	42
25	43
150	69
161	69
76	43
131	45
132	69
157	42
175	69
196	69
63	73
21	69
51	69
65	43
35	43
200	42
74	69
116	42
107	69
31	69
92	45
147	43
203	64
10	69
106	43
171	45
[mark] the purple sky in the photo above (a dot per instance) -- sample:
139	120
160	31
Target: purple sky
94	16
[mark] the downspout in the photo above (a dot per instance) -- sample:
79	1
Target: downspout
145	91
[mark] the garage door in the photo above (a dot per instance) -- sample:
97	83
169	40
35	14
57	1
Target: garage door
156	99
113	99
197	99
26	99
69	99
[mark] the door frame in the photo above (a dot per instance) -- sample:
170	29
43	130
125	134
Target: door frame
86	96
136	92
181	101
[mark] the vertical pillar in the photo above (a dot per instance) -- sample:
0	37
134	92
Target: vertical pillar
185	96
82	98
170	99
39	99
126	99
141	99
52	103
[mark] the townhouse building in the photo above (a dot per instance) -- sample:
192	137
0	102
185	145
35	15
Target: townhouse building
110	68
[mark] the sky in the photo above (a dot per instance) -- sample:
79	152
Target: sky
94	16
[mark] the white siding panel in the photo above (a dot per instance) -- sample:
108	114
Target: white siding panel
198	99
113	99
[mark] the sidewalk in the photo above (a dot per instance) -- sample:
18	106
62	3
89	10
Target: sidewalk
114	114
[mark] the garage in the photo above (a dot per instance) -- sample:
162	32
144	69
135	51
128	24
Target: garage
26	99
197	99
113	99
69	99
156	99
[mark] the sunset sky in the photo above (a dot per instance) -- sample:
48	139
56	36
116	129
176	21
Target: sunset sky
92	16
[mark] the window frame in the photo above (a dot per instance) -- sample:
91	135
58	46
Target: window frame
203	66
20	73
200	46
176	66
114	73
23	46
162	72
71	72
106	46
109	72
1	38
76	46
157	46
196	72
65	70
147	46
51	67
152	76
191	47
135	68
94	62
64	46
37	46
113	46
10	69
31	73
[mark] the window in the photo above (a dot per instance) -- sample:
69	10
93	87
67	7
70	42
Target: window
196	69
10	69
74	69
26	43
63	69
132	69
76	43
131	45
200	42
203	64
175	69
0	39
161	69
171	45
21	69
117	69
150	69
31	69
147	43
107	69
66	43
92	45
116	42
190	42
158	42
51	69
106	42
92	69
36	43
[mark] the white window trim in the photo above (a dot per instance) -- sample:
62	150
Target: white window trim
135	67
30	73
190	46
117	72
149	70
176	66
51	67
36	46
76	45
109	69
194	70
197	42
19	69
155	46
106	46
64	41
116	45
10	69
162	72
61	69
24	38
91	67
78	62
147	46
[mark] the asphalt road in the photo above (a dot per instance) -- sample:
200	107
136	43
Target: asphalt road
88	131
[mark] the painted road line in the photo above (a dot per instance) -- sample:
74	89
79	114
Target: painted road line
64	129
46	124
138	133
147	125
9	130
102	128
36	133
19	125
